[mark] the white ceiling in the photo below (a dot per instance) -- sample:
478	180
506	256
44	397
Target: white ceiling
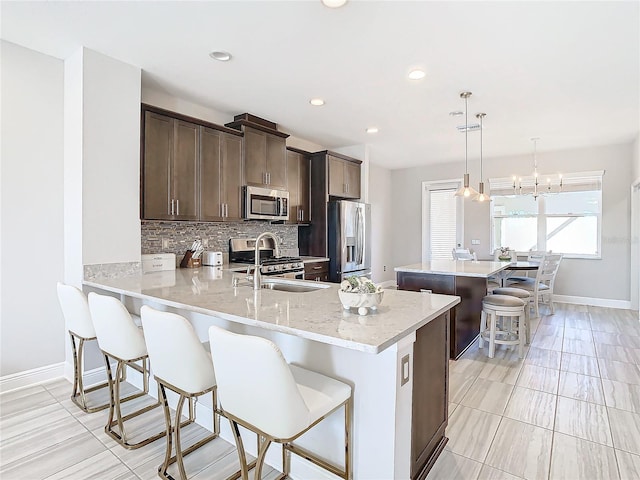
567	72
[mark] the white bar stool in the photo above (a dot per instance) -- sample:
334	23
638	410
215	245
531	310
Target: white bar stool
75	310
181	364
119	338
278	402
524	295
494	306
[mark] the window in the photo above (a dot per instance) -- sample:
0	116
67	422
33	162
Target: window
568	222
442	224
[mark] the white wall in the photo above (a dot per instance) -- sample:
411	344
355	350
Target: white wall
381	211
607	278
111	160
31	209
635	228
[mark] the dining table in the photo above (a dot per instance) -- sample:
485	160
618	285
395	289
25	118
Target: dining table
527	266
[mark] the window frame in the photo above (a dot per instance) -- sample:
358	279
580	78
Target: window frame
427	187
574	180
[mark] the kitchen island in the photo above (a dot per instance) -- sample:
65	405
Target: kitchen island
464	278
395	359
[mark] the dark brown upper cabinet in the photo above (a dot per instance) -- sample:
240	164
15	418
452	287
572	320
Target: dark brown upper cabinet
298	182
265	158
191	169
220	176
344	177
170	167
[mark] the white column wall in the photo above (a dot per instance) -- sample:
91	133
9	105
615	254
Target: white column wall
111	160
31	209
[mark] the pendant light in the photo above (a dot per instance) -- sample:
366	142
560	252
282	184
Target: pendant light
466	191
481	196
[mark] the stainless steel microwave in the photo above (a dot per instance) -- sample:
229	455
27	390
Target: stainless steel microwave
265	204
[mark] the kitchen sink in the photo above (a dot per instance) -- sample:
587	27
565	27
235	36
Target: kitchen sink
292	286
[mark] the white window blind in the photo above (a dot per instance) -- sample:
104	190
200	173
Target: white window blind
442	223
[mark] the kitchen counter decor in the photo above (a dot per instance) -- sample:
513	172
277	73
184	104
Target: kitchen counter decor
360	293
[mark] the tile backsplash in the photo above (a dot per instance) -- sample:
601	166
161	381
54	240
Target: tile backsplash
180	235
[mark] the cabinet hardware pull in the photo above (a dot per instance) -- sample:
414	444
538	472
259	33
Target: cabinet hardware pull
268	178
172	207
317	268
177	207
226	209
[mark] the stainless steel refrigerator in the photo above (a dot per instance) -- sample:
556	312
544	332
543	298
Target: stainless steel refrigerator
349	232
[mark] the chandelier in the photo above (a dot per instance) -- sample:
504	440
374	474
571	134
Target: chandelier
536	185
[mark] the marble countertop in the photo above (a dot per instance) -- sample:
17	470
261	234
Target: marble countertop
462	268
316	315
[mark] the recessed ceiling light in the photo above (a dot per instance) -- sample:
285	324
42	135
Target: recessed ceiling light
221	56
333	3
372	130
416	74
316	102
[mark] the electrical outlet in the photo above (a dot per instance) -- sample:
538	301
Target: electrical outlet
205	242
165	242
405	373
384	268
475	242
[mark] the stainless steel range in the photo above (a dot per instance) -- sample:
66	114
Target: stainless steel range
242	250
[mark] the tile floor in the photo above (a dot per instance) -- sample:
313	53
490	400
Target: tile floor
569	410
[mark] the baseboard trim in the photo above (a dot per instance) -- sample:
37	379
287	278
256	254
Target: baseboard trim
90	377
595	302
33	376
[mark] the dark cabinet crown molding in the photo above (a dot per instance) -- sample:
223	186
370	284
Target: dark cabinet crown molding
249	120
179	116
338	155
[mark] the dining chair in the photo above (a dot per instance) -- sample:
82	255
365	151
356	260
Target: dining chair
541	287
463	254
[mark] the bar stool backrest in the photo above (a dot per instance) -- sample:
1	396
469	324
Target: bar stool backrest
175	351
117	333
75	310
255	384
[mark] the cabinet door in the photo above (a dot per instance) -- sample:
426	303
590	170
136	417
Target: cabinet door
232	176
293	167
430	394
304	195
255	152
185	170
352	179
336	177
210	175
158	134
276	162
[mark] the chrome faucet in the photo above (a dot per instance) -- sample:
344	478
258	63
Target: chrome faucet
256	267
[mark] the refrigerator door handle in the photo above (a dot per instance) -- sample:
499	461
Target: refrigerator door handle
359	237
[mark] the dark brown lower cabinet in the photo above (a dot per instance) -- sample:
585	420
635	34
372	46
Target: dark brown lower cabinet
430	395
465	317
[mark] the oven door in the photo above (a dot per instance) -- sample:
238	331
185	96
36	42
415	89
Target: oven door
295	275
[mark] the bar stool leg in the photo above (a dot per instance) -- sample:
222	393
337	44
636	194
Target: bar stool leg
483	327
244	472
264	444
521	333
492	335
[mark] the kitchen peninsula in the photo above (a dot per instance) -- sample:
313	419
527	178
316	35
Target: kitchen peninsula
396	359
464	278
